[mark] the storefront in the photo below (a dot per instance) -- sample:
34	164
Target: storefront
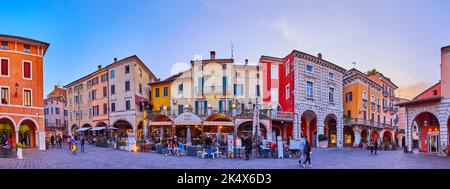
349	136
186	127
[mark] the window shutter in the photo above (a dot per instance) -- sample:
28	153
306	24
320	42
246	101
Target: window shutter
206	107
196	107
4	67
27	70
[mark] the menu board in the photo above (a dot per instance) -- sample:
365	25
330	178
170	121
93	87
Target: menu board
230	147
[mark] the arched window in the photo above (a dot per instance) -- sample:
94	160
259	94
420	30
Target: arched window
224	66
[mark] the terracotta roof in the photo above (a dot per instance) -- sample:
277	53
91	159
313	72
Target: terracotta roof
26	39
169	79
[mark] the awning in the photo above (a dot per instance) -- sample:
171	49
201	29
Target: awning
160	123
98	128
84	129
218	123
187	123
139	99
111	128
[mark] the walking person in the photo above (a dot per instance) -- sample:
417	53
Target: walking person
82	140
307	150
73	142
302	150
52	140
375	146
60	141
69	141
248	147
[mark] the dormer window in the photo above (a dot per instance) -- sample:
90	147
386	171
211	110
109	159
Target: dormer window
26	48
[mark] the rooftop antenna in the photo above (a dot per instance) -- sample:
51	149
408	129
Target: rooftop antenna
354	64
232	50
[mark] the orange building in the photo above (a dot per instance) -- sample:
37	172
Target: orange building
22	91
368	109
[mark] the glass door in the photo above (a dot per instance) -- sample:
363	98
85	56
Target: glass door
433	143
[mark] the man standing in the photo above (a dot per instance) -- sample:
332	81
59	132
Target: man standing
60	141
248	147
375	146
208	143
83	140
52	140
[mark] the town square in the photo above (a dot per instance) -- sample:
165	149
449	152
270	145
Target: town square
100	89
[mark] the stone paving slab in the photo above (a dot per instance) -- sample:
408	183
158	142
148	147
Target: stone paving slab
106	158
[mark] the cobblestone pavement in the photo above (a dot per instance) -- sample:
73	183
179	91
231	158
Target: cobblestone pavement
105	158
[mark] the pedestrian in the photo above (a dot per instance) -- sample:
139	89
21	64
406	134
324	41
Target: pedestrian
83	140
60	141
307	151
248	147
52	140
375	146
302	150
74	145
69	141
208	142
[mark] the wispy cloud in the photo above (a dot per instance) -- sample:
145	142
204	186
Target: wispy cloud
285	28
412	90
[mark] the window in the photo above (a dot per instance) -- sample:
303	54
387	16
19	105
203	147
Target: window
180	88
309	69
288	92
26	48
95	110
51	110
94	81
309	89
140	72
435	93
105	92
274	72
331	94
258	93
288	68
113	89
166	91
4	45
127	105
4	69
372	99
112	73
90	112
5	95
105	108
27	97
81	98
200	83
331	76
274	95
224	66
104	77
157	92
140	88
127	85
94	94
113	107
238	89
224	84
57	110
349	97
127	69
364	95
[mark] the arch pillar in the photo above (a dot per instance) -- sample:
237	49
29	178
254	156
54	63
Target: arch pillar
357	132
340	131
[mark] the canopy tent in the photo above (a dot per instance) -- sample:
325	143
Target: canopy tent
98	128
84	129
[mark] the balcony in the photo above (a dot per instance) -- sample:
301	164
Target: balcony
392	110
392	96
282	116
214	90
364	103
385	93
385	109
366	122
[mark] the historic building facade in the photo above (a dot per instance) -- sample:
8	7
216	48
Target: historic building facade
21	83
116	95
56	113
369	112
428	114
310	88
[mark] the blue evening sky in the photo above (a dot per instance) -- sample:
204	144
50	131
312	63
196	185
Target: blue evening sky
400	38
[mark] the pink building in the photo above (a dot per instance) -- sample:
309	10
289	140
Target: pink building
55	112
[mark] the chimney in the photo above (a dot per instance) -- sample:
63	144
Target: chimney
319	56
99	66
246	61
213	55
115	59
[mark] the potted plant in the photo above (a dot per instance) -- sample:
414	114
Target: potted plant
122	144
323	141
19	150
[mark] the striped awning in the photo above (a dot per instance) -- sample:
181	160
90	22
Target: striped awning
218	123
160	123
187	123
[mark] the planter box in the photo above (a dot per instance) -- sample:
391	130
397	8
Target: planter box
323	144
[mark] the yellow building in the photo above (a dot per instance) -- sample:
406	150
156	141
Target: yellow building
364	117
160	94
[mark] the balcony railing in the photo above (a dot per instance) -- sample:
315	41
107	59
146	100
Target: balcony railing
385	93
365	122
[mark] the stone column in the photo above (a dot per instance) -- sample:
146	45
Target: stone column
408	131
357	132
161	133
296	130
17	137
340	133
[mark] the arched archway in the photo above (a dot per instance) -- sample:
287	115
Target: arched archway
124	128
309	126
387	138
246	129
7	130
27	133
428	128
218	124
330	130
349	136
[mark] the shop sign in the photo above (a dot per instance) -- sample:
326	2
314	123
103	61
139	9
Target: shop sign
230	148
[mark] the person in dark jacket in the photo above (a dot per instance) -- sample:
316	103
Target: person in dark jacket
82	141
307	151
375	146
248	147
52	140
208	142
